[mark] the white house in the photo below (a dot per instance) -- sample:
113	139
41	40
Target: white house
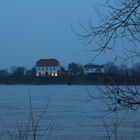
92	68
47	67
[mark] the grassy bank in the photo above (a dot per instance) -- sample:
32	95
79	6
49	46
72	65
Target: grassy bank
69	80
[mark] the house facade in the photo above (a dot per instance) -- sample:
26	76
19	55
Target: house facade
92	69
47	67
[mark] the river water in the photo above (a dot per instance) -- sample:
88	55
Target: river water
68	113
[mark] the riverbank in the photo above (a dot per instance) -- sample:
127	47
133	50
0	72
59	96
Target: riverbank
68	80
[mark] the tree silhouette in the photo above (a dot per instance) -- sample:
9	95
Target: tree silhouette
122	22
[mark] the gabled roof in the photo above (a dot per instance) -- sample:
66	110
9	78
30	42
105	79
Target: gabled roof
47	62
94	66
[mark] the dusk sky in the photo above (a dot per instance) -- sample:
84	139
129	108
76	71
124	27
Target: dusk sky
34	29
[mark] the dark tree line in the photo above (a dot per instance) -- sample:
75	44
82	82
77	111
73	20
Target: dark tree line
75	74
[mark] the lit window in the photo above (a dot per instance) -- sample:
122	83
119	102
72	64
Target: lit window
37	74
52	74
56	74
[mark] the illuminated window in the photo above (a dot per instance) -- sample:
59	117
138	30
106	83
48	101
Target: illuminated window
52	74
37	74
56	74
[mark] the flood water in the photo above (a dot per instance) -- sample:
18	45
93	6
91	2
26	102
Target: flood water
70	114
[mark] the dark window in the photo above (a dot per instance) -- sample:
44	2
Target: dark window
98	69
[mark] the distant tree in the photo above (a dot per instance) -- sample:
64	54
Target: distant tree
110	68
74	69
19	72
137	67
4	73
12	69
33	71
62	69
137	71
123	67
122	71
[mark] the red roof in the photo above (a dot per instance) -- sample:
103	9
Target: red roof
47	62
